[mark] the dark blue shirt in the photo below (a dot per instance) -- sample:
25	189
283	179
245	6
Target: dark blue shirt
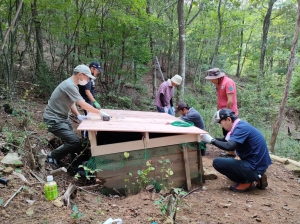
253	147
89	86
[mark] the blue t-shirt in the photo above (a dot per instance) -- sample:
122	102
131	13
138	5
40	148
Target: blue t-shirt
253	147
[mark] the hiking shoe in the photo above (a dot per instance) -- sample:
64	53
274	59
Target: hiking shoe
51	160
242	187
262	183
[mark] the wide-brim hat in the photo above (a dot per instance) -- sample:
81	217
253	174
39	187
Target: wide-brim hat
214	73
84	70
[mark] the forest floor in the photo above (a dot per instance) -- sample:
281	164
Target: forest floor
211	203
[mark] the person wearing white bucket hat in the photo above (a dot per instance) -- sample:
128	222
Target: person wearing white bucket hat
226	94
56	115
163	100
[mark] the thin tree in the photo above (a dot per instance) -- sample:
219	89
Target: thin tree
182	45
288	82
266	26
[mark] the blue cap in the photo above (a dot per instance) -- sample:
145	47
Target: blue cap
96	65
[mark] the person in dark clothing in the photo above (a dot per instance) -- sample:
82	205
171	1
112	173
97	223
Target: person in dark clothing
250	146
191	115
88	91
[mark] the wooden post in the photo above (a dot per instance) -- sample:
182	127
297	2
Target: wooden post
199	161
187	168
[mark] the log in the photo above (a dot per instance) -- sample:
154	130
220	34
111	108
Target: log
285	160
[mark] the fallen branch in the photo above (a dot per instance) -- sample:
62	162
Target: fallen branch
88	191
196	189
285	160
70	193
58	171
13	196
37	177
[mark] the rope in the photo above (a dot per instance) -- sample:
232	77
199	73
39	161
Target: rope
182	123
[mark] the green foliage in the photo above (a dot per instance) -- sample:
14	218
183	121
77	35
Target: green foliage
177	194
89	173
76	214
166	173
45	80
143	175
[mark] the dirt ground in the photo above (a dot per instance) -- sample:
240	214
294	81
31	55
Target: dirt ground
212	203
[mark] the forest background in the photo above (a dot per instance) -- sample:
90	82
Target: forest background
254	42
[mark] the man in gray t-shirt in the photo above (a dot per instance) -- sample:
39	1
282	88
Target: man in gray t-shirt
56	114
190	114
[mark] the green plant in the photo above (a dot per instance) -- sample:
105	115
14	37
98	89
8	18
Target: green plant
89	173
76	214
169	205
143	175
166	172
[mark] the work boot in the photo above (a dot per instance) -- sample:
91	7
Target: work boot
242	187
262	183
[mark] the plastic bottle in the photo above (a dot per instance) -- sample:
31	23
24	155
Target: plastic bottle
111	221
50	189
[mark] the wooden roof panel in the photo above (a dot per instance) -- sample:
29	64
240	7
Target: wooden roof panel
136	121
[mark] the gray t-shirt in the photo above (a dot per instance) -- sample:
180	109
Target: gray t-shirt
61	100
195	117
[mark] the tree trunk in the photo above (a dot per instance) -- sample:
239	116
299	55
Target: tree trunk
266	26
182	47
214	58
288	82
38	36
238	69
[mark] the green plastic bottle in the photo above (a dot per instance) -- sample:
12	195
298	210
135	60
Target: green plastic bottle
50	189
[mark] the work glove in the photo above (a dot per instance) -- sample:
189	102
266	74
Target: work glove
103	114
97	105
206	138
173	109
82	117
166	109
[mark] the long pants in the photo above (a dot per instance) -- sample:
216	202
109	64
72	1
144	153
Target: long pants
161	110
72	143
238	171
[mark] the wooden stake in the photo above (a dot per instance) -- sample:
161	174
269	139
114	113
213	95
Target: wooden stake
187	168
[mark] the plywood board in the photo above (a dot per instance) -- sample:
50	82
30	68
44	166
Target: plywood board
136	121
141	144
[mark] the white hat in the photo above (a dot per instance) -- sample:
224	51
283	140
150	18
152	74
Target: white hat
85	70
176	79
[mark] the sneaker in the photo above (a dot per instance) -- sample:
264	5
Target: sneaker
262	183
51	160
242	187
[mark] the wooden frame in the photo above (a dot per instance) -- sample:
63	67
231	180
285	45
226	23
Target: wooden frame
145	123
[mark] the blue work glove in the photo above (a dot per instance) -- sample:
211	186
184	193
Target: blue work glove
206	138
166	109
82	117
97	105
